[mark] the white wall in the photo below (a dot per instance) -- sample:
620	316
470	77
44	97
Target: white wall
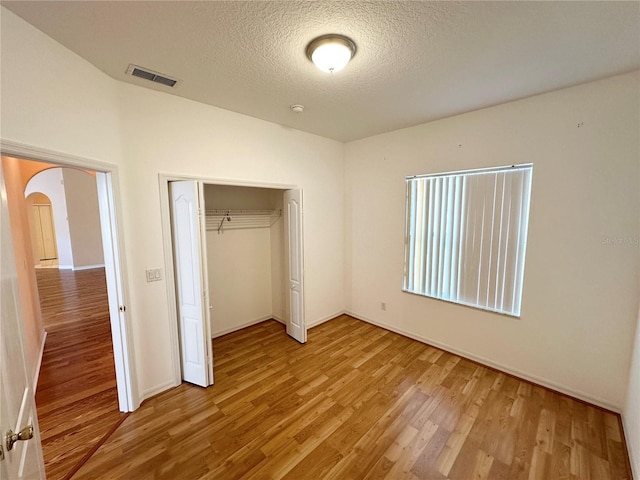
580	293
53	99
239	264
216	144
81	195
51	183
631	412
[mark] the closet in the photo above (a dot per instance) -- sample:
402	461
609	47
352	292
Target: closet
245	256
237	259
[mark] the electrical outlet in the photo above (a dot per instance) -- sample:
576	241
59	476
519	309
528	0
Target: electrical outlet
383	306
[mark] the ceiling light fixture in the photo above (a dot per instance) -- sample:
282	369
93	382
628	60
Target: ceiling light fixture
331	53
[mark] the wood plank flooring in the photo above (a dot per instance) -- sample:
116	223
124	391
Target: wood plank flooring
76	397
358	402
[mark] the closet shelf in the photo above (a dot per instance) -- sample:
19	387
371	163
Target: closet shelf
221	220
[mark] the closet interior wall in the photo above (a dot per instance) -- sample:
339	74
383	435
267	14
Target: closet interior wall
245	265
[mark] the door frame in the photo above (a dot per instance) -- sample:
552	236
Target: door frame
167	240
107	180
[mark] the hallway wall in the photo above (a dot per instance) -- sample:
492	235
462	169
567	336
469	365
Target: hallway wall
33	327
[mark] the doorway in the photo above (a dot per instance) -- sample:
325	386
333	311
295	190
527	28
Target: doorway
43	235
127	398
76	395
246	244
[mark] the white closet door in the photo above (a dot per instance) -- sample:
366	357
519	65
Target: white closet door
296	326
188	244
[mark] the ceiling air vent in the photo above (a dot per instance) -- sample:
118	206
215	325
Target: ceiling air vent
147	74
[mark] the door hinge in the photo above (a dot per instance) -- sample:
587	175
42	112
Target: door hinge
122	308
1	453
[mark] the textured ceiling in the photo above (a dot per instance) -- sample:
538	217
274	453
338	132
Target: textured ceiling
416	61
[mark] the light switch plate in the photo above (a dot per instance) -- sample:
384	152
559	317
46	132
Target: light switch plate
153	274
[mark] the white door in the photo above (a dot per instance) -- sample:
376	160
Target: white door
296	326
189	250
114	274
17	402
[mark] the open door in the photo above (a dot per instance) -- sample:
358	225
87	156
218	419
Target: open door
189	251
296	326
122	356
20	448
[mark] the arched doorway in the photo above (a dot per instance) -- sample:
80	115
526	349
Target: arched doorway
75	217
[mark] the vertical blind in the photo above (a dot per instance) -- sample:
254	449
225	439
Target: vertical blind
466	236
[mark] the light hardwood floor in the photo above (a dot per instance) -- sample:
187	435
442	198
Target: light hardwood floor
76	398
358	402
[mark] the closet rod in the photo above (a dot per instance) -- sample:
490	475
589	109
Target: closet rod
227	211
239	219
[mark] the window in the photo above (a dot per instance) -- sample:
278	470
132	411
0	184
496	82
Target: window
466	235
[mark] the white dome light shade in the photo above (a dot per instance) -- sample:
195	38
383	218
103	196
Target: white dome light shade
331	53
331	57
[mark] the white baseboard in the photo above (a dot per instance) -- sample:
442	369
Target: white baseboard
220	333
155	390
634	455
36	372
498	366
314	323
322	320
276	318
65	267
87	267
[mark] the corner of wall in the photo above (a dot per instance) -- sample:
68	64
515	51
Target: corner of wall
347	219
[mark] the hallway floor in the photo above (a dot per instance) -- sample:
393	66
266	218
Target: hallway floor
76	397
